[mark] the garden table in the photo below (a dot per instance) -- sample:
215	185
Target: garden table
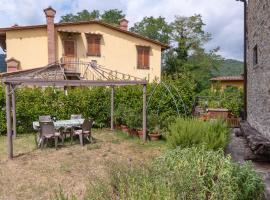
62	123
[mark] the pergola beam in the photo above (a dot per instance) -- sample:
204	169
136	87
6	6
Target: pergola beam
43	82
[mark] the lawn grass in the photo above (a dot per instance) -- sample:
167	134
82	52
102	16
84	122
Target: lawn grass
38	174
136	140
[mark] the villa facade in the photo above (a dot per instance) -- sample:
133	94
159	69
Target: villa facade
115	48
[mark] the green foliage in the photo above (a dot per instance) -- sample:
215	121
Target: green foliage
188	54
109	16
153	28
112	16
84	15
231	98
230	67
192	132
190	174
95	103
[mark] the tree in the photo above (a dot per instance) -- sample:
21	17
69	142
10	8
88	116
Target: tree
153	28
84	15
188	53
112	16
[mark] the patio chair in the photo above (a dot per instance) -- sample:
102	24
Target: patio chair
47	131
45	118
85	131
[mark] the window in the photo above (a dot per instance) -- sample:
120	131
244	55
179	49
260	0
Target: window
143	54
255	55
93	44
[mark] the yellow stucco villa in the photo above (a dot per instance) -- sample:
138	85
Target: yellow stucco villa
115	48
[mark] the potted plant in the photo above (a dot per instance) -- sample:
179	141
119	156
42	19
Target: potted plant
154	127
133	119
120	119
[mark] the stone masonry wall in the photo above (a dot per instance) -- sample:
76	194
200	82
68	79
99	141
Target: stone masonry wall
258	81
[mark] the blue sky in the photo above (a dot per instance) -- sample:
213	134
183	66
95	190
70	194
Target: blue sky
223	18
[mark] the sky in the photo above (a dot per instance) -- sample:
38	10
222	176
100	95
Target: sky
222	18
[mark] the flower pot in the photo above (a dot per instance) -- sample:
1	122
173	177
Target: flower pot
140	134
124	128
154	136
133	132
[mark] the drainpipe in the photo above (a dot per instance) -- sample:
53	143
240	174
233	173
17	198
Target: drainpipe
50	14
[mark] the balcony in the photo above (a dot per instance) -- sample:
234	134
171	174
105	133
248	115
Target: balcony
71	67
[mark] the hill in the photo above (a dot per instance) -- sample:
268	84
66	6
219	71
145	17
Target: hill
230	67
3	67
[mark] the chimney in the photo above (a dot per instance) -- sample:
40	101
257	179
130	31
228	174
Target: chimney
123	24
50	13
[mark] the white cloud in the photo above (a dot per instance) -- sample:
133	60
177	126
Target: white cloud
223	18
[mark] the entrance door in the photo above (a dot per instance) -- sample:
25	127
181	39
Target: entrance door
69	48
70	55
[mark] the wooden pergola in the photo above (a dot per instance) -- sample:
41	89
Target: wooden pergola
12	82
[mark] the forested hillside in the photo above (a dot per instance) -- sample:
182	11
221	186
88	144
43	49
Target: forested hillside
230	68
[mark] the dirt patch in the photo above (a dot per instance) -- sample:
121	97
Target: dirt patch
37	174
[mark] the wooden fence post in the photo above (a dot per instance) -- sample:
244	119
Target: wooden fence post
14	119
144	114
9	123
112	108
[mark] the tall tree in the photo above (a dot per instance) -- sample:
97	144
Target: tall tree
112	16
153	28
188	53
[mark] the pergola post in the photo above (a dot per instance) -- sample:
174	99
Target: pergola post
112	108
9	123
144	114
14	120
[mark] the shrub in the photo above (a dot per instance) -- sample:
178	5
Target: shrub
94	102
191	132
190	174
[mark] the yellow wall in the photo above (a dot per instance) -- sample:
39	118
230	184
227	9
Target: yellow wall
118	50
28	46
222	85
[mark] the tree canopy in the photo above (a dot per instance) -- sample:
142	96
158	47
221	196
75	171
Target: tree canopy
153	28
111	16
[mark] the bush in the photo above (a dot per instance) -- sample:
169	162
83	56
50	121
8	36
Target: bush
231	98
191	132
190	174
94	102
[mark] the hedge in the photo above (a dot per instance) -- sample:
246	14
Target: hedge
94	102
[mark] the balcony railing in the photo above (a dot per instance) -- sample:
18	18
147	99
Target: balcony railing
70	64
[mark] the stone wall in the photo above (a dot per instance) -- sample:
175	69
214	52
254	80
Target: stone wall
258	81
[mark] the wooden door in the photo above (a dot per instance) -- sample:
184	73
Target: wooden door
69	55
69	48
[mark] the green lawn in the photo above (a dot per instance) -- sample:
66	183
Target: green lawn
38	174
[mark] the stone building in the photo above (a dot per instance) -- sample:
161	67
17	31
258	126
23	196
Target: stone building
258	65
